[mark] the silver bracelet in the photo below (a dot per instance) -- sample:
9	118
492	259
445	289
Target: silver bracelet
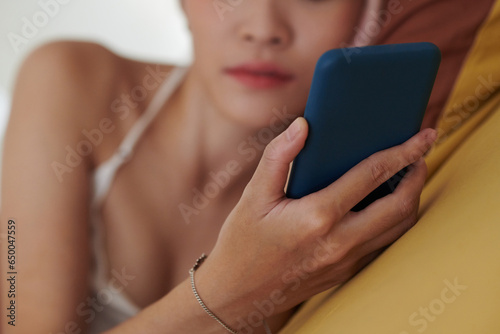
197	264
198	298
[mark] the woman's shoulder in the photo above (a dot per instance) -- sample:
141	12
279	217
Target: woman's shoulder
85	71
77	62
86	65
77	85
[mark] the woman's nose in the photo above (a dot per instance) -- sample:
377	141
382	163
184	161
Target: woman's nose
264	25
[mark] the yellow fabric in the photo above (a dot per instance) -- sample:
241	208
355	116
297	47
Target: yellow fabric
443	276
476	86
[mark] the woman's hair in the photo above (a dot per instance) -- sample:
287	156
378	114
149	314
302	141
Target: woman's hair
365	35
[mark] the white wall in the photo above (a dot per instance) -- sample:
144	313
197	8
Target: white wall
145	29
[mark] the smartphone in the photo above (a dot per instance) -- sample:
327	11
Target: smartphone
361	101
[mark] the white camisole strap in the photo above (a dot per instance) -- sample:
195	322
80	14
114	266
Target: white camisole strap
105	174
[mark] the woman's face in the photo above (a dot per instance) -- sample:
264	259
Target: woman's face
240	44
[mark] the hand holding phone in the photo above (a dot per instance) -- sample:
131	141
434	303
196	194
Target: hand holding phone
372	100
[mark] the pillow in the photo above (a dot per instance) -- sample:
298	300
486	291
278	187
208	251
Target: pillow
450	24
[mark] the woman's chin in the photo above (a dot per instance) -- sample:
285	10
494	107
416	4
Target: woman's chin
275	114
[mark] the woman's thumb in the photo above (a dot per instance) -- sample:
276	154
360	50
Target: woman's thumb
268	181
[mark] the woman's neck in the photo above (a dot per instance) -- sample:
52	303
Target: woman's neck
210	138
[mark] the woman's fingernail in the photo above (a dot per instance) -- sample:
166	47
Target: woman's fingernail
293	130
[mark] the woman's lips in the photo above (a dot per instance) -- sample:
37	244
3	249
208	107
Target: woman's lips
259	75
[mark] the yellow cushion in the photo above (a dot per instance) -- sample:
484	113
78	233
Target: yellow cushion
443	275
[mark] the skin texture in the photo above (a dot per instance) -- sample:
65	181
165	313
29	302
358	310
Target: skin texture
274	31
255	236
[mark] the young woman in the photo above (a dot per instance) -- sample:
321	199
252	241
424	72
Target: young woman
120	174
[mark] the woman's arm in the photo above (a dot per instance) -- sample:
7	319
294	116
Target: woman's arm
47	202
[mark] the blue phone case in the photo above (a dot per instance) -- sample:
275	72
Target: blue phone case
362	100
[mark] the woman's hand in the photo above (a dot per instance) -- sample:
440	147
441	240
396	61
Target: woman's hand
274	252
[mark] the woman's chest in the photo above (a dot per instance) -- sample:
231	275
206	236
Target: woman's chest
156	226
